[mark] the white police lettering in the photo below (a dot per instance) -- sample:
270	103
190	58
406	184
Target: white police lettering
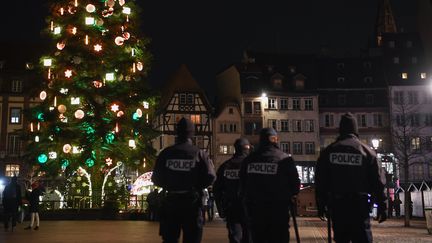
232	174
180	164
346	159
262	168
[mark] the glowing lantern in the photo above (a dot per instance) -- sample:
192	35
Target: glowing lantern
146	105
75	100
126	10
89	21
43	95
132	143
79	114
47	62
57	30
109	76
37	139
90	8
52	155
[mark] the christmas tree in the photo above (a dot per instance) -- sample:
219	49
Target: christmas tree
94	121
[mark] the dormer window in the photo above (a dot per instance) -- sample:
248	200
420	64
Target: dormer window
277	83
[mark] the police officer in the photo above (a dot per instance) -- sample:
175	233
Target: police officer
226	194
347	171
268	182
183	170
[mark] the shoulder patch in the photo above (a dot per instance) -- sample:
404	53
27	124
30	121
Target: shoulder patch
180	164
262	168
346	159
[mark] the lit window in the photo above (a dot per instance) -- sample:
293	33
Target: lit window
223	149
423	75
12	170
404	75
196	119
15	115
272	103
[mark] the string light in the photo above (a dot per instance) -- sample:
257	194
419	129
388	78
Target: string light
86	40
68	73
97	48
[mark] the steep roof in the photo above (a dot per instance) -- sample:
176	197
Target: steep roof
181	81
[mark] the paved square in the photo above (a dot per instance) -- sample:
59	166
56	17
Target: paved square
311	230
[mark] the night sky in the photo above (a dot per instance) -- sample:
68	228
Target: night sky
210	35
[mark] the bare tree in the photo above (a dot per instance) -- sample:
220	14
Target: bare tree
407	130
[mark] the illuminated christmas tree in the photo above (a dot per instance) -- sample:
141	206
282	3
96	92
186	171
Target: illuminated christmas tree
94	119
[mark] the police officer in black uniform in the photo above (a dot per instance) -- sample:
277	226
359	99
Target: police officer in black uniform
226	188
268	182
183	170
347	171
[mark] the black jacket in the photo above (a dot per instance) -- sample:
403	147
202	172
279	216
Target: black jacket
183	167
226	186
348	167
268	175
11	197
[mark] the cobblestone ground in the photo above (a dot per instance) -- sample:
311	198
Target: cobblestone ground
311	230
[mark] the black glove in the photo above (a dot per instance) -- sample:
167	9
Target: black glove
382	212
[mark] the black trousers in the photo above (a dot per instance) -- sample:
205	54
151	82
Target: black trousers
236	224
351	220
8	216
181	212
268	223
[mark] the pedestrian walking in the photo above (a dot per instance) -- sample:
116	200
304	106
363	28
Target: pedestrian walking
226	189
183	170
397	206
210	204
390	207
11	202
204	203
33	198
347	171
268	183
